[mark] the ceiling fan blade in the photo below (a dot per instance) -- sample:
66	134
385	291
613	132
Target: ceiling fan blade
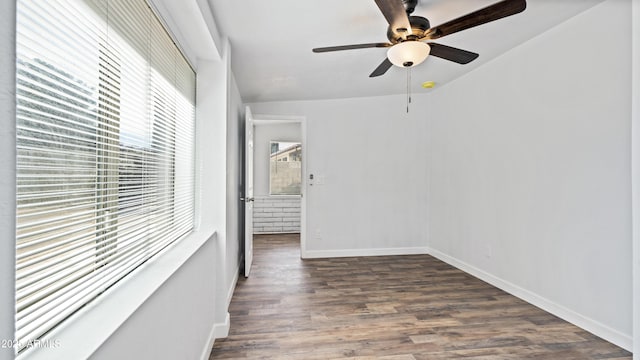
452	54
396	15
382	68
351	47
490	13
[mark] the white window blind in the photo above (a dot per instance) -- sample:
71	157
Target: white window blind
105	142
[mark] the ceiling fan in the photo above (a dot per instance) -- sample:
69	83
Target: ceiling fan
407	34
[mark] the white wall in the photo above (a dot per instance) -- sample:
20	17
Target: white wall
174	323
263	135
8	179
636	175
529	160
368	153
213	105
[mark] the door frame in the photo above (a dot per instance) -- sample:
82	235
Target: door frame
266	120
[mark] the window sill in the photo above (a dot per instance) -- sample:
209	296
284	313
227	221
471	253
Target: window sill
84	332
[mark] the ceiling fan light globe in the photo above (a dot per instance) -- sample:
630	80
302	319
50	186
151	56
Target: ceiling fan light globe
408	53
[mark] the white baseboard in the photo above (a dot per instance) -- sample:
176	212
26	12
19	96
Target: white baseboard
221	330
590	325
315	254
211	339
232	288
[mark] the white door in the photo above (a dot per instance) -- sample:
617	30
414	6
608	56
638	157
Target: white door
248	193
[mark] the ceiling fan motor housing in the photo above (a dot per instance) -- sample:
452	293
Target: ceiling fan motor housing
419	25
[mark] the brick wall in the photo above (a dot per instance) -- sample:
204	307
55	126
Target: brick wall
276	214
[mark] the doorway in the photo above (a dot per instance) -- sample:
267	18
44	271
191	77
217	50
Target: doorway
278	172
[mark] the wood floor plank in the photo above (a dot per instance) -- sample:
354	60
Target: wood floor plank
389	307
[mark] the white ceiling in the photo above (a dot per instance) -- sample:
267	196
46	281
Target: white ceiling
271	44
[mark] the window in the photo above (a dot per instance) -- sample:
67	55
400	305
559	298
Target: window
105	142
285	170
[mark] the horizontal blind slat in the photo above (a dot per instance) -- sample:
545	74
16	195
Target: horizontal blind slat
26	244
60	270
107	277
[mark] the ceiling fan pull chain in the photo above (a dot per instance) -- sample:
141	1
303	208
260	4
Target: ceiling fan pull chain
409	85
408	88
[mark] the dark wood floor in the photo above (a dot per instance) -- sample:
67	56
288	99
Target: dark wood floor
391	307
